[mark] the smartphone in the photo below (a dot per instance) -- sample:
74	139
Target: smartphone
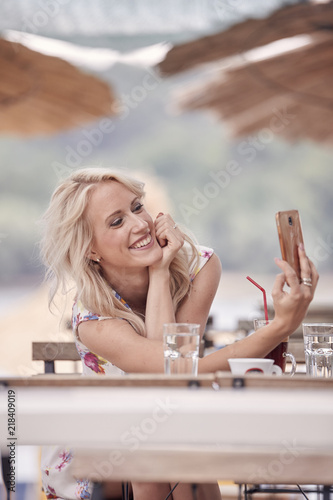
290	236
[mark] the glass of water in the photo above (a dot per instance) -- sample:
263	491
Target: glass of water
181	343
318	347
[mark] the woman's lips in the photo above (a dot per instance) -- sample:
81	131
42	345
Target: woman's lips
144	243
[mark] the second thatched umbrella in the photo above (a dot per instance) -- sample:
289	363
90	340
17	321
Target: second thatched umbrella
248	87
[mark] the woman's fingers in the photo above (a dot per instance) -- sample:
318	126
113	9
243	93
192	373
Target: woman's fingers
314	274
302	291
278	285
165	224
309	274
289	273
162	241
167	232
172	236
304	263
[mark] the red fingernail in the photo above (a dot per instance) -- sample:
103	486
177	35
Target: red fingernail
301	246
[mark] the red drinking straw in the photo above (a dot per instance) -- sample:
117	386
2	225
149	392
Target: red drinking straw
264	294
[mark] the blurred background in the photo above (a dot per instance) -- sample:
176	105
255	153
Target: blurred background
223	107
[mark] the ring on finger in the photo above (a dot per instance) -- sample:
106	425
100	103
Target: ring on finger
306	281
174	227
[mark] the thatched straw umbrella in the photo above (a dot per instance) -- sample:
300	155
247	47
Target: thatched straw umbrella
40	94
248	89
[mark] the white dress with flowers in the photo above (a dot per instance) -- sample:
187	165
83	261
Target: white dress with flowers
57	479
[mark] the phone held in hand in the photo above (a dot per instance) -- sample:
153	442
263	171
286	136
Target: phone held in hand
290	235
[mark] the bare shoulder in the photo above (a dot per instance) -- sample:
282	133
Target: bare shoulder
214	263
210	273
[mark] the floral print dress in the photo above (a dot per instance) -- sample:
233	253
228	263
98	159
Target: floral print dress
58	481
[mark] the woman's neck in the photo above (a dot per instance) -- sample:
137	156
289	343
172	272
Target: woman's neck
132	286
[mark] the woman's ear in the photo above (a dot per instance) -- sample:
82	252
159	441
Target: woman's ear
92	255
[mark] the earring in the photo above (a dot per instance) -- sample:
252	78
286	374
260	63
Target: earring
98	260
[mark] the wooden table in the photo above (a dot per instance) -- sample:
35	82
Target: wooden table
253	429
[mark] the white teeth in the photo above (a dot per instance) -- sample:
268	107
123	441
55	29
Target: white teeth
143	243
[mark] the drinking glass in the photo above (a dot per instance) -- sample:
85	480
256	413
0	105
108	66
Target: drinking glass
279	353
181	343
318	348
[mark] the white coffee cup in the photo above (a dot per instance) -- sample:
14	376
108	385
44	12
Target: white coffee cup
243	366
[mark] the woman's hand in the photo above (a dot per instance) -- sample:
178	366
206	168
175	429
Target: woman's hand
170	238
159	305
290	308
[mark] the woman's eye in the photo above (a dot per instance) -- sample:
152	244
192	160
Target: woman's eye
116	222
138	207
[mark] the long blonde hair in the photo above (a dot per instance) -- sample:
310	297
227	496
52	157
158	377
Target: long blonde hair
68	237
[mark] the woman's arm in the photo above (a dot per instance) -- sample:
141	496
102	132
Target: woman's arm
290	309
196	306
116	341
159	306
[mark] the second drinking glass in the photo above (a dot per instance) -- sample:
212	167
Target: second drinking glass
181	343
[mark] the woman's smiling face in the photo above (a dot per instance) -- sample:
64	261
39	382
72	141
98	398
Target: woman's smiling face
124	232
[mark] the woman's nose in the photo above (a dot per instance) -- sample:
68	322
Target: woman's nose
139	224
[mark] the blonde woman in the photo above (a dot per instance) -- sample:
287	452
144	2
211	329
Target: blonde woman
132	274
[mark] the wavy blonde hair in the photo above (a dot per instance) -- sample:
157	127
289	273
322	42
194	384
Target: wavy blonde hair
67	240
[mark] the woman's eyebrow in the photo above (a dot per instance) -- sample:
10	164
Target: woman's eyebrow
117	212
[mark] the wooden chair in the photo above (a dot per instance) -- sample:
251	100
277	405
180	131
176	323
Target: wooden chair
49	352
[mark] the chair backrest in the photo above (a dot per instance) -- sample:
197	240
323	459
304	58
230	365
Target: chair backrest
49	352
